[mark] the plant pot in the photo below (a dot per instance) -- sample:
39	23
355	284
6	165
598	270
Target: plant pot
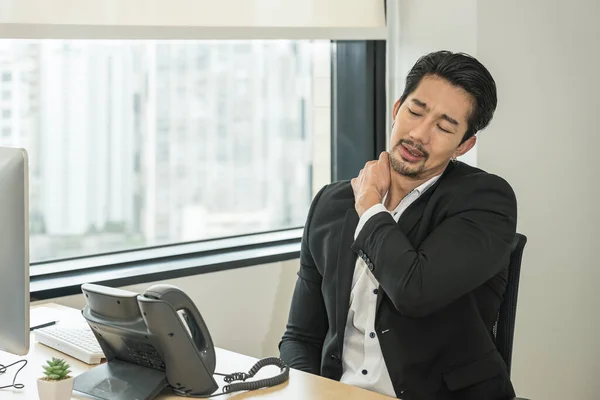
55	390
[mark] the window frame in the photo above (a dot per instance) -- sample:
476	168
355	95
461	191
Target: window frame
357	128
358	106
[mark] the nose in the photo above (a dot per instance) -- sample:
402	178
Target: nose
421	131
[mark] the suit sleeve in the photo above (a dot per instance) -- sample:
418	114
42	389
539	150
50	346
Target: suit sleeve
470	246
307	325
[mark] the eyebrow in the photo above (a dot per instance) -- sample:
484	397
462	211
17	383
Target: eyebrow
448	118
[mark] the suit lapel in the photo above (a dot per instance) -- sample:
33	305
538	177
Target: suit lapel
346	260
414	212
412	215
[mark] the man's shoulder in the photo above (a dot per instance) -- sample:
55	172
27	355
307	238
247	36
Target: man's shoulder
338	191
467	186
464	176
333	200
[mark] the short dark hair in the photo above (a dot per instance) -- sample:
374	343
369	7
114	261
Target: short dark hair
464	71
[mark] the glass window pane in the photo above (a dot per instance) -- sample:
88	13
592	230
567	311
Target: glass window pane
142	143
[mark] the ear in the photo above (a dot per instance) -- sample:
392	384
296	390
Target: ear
397	105
465	146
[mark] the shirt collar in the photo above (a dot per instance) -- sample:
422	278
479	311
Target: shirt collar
426	185
419	190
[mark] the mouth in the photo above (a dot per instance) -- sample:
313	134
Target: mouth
410	153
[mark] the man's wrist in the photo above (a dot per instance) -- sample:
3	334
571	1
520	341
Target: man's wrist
367	200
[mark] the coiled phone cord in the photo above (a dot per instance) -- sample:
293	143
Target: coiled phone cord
261	383
267	382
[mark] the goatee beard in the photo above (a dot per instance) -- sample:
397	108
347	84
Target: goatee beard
404	168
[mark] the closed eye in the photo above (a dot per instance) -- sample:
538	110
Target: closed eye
413	113
445	130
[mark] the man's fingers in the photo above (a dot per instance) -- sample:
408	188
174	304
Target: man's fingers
384	160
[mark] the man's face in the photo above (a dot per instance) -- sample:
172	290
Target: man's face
429	127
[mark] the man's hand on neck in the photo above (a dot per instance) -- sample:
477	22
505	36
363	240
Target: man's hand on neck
372	183
377	180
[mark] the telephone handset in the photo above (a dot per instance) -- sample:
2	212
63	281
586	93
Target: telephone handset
155	340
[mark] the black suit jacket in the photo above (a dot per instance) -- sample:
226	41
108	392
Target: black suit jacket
442	271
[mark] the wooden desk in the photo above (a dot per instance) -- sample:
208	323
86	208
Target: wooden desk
300	386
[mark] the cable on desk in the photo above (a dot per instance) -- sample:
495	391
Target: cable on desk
3	369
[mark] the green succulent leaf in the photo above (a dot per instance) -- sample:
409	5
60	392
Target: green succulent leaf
56	369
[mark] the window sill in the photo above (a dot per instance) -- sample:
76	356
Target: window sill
65	277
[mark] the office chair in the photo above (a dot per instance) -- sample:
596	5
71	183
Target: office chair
504	328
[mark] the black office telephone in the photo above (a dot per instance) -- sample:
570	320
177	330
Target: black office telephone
155	340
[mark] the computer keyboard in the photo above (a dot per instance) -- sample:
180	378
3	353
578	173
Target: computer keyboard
76	341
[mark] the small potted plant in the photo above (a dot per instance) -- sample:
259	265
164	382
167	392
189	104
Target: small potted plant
57	384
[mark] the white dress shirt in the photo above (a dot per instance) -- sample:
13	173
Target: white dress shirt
362	360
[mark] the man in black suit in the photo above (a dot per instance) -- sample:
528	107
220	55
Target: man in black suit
403	268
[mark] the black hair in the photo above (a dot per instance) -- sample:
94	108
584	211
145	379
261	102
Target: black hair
464	71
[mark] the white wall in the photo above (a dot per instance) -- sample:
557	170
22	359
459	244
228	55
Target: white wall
545	56
245	309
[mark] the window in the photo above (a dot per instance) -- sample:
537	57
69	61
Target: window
144	143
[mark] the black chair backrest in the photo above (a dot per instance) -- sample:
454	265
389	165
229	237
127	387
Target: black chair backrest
504	328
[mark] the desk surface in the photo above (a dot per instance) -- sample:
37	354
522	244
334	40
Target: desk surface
300	385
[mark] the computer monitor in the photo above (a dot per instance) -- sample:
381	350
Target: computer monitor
14	251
